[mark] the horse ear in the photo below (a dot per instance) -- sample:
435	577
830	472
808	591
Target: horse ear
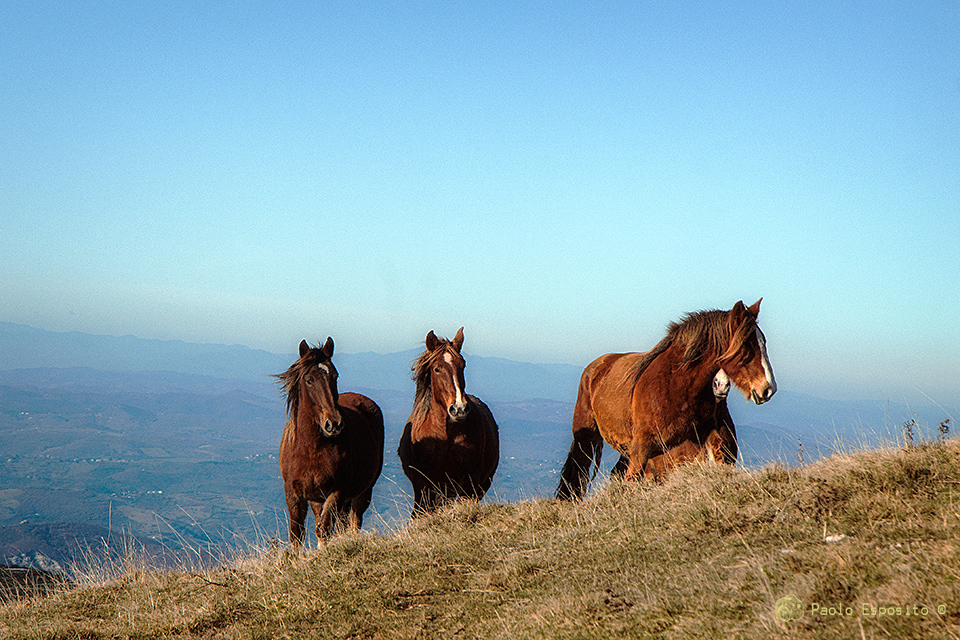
431	341
304	348
328	347
458	340
755	307
736	315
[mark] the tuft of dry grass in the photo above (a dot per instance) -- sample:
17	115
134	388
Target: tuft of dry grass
708	553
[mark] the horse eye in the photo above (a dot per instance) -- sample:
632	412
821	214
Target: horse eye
436	369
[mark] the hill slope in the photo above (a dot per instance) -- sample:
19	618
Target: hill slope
867	544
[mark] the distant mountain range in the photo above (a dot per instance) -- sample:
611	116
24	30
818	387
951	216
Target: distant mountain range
24	347
176	442
77	361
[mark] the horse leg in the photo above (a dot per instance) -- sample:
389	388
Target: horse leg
640	450
422	499
620	469
319	530
433	494
357	507
297	507
325	516
726	438
432	498
483	487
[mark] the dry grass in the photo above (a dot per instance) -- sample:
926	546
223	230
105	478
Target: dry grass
706	554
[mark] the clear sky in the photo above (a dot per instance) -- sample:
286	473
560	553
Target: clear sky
562	178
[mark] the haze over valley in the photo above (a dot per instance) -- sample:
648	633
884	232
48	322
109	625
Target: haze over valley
176	443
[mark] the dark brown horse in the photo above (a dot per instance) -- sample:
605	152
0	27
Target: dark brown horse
450	446
332	448
645	404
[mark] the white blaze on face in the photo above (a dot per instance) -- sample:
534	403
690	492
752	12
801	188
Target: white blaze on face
323	368
460	401
765	361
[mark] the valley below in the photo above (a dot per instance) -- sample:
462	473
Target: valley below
183	461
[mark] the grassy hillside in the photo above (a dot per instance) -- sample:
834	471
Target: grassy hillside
871	539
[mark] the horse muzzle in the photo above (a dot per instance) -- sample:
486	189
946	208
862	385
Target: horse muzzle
458	412
764	395
330	428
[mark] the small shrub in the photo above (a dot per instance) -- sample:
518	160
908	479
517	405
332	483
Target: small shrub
908	431
944	430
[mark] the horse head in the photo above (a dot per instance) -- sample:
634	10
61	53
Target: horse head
745	360
446	375
721	385
318	384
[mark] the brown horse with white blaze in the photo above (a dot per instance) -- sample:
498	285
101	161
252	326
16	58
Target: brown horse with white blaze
332	449
645	404
450	447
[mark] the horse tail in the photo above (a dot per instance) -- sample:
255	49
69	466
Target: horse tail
587	446
598	454
586	451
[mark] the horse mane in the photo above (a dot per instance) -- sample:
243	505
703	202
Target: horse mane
697	334
421	368
637	368
290	379
706	332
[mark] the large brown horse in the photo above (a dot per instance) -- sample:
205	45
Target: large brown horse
450	446
645	404
332	448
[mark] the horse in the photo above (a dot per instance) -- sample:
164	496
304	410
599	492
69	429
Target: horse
331	453
450	447
720	445
645	404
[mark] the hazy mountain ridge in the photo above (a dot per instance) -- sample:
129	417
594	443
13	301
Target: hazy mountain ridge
186	454
24	347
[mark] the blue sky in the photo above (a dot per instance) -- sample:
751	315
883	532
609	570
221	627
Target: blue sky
563	179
